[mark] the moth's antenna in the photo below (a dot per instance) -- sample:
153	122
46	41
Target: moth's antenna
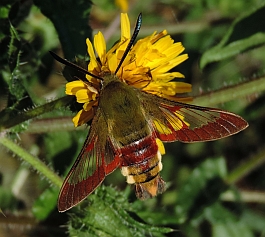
69	64
135	33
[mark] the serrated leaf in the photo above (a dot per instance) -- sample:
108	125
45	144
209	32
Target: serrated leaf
108	214
244	34
45	203
202	188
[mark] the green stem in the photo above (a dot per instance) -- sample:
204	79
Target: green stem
9	119
245	168
231	93
33	161
52	125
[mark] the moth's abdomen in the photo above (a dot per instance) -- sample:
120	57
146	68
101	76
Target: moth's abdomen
141	164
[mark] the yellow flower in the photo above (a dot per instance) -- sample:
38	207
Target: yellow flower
146	67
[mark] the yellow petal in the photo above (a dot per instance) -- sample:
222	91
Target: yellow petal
112	63
166	77
73	86
100	46
125	27
82	117
93	61
174	50
156	37
84	95
165	67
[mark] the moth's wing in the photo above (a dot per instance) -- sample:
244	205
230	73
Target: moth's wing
189	123
96	159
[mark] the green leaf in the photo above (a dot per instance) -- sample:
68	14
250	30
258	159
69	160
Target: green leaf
157	217
254	220
108	214
202	189
244	34
217	214
45	203
57	142
231	230
226	223
72	31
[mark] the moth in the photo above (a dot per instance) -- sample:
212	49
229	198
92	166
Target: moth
125	130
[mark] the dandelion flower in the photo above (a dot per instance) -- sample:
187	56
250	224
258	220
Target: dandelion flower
146	67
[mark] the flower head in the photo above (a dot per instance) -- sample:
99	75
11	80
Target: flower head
146	67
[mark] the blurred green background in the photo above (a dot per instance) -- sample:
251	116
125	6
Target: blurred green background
214	188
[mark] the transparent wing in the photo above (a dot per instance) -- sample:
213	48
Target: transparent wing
189	123
96	159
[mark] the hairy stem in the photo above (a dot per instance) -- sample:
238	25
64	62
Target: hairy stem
8	119
33	161
231	93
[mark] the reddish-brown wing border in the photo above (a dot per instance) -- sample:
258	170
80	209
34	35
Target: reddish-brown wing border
95	161
174	121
